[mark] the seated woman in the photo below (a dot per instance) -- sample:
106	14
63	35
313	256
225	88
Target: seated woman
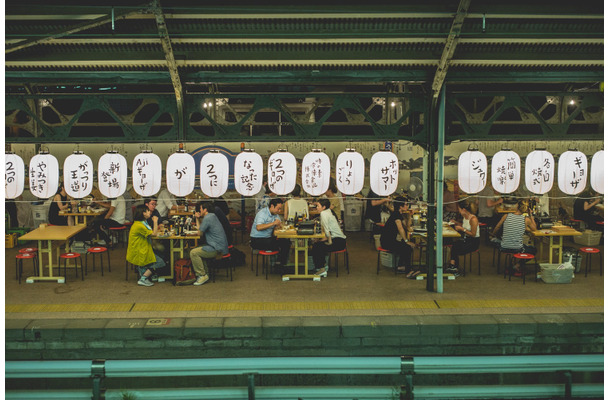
514	225
60	203
469	228
584	210
296	206
139	249
396	226
334	240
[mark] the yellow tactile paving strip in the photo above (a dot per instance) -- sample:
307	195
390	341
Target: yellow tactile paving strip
303	306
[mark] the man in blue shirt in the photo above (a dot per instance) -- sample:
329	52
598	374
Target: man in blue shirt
265	222
215	239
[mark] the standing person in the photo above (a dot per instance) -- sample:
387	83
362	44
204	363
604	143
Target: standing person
114	218
215	241
261	235
296	205
60	203
469	228
394	226
262	198
488	200
449	204
374	202
334	238
336	202
165	202
139	249
515	225
584	207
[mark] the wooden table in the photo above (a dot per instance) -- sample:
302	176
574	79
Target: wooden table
176	244
501	209
178	213
301	243
50	234
85	214
552	233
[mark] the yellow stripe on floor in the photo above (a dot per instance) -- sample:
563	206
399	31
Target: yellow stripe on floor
521	303
50	308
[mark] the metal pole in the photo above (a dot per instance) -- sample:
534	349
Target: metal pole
430	200
439	191
251	387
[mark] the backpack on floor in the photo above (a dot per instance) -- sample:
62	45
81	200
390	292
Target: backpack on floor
183	272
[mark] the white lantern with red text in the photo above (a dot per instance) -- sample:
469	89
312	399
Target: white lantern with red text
214	174
597	172
350	172
572	172
78	175
281	172
14	176
112	174
315	172
248	173
505	171
472	171
539	171
384	173
44	175
146	174
180	174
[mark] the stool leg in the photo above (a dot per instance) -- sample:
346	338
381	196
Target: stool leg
346	258
337	263
601	263
17	270
82	273
378	260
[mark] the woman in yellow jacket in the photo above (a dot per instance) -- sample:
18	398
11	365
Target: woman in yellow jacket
139	250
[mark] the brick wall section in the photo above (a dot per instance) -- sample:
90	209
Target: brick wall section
49	339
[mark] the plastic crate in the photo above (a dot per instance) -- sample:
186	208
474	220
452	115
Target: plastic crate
10	240
588	238
551	273
388	260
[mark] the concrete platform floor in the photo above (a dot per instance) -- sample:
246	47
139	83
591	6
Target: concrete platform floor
360	293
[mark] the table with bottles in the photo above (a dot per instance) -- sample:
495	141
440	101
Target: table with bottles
177	232
84	212
301	244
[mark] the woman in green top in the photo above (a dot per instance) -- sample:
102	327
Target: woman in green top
139	249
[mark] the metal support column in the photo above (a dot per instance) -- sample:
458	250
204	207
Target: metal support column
439	191
430	200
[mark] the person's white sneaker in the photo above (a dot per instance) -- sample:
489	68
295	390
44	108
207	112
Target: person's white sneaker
201	280
145	282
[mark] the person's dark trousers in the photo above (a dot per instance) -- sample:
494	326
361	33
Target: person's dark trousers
402	249
320	249
105	223
461	247
283	245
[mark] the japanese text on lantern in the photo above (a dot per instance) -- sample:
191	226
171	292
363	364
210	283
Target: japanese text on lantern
212	176
277	172
109	177
508	172
250	177
180	172
345	172
479	166
79	177
389	173
38	177
578	173
542	174
313	172
141	171
10	173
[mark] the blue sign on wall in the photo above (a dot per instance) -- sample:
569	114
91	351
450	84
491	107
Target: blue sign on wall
200	152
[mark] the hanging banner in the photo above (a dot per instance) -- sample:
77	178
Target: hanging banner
44	175
505	171
315	173
597	172
572	172
248	173
78	175
384	173
14	176
539	171
350	172
472	171
146	174
214	174
282	172
180	174
112	175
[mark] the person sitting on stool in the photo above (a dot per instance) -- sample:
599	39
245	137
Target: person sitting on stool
394	226
215	241
469	228
261	235
334	238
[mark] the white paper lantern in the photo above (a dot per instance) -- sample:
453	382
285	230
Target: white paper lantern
146	174
248	173
505	171
539	171
315	173
597	172
112	175
472	171
281	172
180	174
78	175
350	172
384	173
572	172
44	175
14	176
214	174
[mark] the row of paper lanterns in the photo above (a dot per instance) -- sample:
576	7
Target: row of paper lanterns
281	173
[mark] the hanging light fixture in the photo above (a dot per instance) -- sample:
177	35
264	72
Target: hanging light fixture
281	172
214	174
112	174
44	175
472	171
180	173
597	172
539	171
248	172
146	173
78	175
572	172
315	172
384	173
14	175
505	171
350	172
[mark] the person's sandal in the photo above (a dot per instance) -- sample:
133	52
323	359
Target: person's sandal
414	276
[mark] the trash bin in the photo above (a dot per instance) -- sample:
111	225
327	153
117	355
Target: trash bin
353	215
40	214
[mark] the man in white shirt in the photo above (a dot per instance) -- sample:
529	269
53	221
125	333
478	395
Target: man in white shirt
165	202
334	240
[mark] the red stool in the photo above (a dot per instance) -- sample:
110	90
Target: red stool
588	252
345	259
224	262
469	255
267	254
75	257
19	263
483	231
97	250
116	233
521	257
578	222
33	250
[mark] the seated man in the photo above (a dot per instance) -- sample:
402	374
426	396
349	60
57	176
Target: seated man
114	218
335	238
265	222
394	227
215	241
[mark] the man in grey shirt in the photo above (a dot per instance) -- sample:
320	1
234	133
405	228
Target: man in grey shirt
215	241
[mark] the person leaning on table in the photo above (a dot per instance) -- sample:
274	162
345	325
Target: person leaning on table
334	238
261	234
139	249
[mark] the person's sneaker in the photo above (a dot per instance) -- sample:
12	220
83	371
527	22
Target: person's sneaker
201	280
145	282
154	278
